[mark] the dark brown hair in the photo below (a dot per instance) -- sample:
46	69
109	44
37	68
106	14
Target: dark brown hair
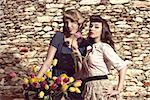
106	35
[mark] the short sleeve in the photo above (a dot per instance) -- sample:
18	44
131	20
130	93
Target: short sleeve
57	39
111	56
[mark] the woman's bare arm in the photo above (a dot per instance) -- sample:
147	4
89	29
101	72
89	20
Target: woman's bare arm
47	63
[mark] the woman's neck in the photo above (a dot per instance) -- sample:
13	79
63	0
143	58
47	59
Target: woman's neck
93	40
71	36
97	40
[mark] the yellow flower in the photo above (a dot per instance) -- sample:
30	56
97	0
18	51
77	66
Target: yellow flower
63	76
54	78
49	74
54	63
46	87
64	87
32	80
48	70
71	79
41	79
26	81
72	89
35	68
77	90
41	94
77	83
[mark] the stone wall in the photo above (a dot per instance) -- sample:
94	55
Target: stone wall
26	27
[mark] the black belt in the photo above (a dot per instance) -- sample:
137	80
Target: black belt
93	78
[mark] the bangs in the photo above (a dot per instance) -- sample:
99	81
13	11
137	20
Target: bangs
96	18
72	18
71	15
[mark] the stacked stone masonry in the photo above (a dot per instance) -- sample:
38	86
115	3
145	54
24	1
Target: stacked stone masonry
26	28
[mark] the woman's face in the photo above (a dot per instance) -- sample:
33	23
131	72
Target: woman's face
72	26
95	30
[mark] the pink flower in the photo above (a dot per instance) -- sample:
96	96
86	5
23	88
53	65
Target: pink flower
44	83
54	86
58	80
37	85
12	74
78	35
32	75
66	80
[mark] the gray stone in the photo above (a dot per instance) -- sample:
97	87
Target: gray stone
44	19
32	8
119	1
2	71
89	2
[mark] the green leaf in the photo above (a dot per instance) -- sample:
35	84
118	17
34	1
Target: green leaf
31	93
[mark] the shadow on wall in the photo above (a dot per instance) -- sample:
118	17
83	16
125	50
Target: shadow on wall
10	68
11	73
8	59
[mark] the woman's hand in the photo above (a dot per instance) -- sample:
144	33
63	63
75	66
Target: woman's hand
112	93
77	55
74	44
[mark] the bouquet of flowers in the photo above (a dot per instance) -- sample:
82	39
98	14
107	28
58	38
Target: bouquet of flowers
49	86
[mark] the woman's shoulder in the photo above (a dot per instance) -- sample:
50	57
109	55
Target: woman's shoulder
59	34
106	45
57	39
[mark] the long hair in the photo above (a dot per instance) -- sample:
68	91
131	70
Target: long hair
106	35
75	16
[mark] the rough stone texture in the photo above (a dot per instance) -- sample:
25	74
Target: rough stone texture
119	1
26	27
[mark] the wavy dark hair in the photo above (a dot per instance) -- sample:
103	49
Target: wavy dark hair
106	35
75	16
